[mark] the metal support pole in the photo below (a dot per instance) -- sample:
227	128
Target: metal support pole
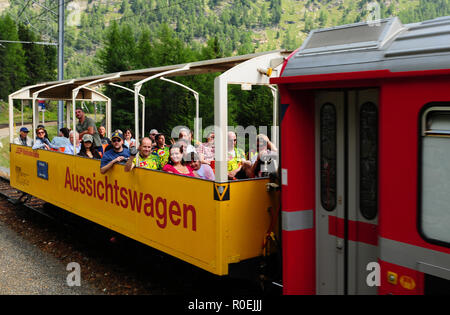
61	60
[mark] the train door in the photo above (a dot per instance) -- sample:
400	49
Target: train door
346	190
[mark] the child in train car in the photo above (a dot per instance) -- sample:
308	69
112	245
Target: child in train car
203	171
161	150
144	158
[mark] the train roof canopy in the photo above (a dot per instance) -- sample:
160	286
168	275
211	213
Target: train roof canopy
63	88
378	45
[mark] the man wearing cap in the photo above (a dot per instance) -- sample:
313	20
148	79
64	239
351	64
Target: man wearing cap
116	155
23	139
87	125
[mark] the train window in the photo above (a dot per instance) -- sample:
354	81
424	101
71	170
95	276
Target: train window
328	156
368	163
434	213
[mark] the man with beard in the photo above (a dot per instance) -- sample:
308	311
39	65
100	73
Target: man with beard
87	125
116	155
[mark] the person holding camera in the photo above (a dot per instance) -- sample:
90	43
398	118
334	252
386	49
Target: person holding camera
143	158
265	161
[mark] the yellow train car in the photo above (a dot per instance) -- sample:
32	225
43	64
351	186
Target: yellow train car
209	224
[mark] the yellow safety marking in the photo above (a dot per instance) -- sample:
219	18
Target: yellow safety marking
221	190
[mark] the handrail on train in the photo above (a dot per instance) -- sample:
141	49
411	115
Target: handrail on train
137	89
142	101
255	71
108	111
197	110
24	94
35	96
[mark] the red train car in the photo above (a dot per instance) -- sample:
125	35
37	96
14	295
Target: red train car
365	147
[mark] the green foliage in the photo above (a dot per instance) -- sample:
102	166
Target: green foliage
118	35
12	58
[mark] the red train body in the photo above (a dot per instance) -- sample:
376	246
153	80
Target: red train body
364	208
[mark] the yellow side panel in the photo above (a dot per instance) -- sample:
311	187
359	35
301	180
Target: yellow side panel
172	213
249	215
175	214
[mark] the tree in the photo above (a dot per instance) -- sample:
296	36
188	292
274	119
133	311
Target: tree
35	61
119	54
12	59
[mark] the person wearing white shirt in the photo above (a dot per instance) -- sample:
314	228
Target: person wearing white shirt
68	149
23	139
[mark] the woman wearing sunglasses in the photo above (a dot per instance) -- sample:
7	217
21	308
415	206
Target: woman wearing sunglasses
42	142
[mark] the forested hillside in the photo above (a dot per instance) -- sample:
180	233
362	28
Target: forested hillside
103	36
240	26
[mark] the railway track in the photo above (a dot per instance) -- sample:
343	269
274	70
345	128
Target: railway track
111	262
19	198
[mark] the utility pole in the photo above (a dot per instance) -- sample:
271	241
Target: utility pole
61	59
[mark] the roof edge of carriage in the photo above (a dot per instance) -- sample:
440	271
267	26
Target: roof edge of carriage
379	47
185	69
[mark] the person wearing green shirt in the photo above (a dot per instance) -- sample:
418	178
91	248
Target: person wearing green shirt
143	159
161	150
87	125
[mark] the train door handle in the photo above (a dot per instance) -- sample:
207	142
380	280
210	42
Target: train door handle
339	244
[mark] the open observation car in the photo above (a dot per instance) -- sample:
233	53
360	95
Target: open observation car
365	125
208	224
364	145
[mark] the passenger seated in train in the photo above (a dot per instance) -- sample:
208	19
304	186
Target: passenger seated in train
63	138
265	160
176	163
103	138
128	139
87	148
144	158
41	141
238	166
110	146
152	135
161	150
202	170
206	150
69	148
46	133
185	134
116	154
23	139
